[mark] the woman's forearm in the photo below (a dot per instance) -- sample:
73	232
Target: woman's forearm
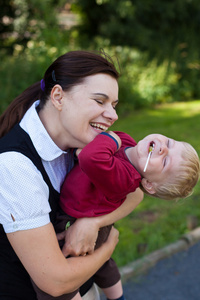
91	263
40	254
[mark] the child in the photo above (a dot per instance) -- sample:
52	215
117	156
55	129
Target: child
113	165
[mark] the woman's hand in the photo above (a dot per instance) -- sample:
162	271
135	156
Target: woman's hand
111	242
80	237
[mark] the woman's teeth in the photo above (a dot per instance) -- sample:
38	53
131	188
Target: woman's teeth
99	126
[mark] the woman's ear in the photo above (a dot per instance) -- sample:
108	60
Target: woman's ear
148	186
57	96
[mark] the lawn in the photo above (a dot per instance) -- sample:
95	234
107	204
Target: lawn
156	223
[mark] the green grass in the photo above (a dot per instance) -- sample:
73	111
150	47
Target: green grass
155	223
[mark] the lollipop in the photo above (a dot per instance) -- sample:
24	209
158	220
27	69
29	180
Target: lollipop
151	148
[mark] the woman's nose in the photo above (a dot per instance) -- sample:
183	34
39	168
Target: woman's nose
110	113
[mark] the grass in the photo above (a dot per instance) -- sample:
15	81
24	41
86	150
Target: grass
155	223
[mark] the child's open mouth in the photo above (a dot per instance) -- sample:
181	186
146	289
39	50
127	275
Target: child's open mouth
151	147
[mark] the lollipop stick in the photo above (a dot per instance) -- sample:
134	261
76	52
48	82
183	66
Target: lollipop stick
147	161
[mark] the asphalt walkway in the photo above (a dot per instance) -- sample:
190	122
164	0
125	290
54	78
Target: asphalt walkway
171	273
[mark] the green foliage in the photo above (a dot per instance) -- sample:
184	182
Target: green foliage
24	68
156	43
164	33
22	21
143	83
150	25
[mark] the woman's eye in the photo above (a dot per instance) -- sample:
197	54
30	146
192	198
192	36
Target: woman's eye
115	105
99	101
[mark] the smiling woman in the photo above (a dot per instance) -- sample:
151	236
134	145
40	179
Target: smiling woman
36	132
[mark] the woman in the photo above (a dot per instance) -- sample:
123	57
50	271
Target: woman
78	96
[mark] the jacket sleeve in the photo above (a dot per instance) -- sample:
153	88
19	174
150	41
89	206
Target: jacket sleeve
113	176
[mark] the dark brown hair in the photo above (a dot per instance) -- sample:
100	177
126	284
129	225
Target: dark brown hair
67	70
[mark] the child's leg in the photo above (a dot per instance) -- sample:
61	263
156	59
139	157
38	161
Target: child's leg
108	279
115	291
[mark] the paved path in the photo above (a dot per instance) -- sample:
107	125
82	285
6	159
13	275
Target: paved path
176	277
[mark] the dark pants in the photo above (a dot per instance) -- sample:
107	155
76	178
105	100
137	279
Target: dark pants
106	276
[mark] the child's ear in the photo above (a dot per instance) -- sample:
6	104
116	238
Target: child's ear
148	186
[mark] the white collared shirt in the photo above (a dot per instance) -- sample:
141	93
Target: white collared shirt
24	194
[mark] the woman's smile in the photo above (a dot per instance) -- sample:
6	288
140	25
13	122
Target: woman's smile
98	126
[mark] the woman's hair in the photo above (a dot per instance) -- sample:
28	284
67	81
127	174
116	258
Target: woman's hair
182	183
67	70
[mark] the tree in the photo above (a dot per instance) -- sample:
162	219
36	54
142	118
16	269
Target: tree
22	20
159	27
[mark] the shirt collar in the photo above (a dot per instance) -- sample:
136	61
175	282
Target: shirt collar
41	140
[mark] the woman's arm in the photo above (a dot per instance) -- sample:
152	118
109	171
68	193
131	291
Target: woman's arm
81	236
40	254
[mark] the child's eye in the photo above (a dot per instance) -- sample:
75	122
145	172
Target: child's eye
164	161
168	143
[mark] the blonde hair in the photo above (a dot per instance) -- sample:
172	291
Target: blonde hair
182	184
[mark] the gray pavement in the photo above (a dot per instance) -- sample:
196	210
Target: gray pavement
173	276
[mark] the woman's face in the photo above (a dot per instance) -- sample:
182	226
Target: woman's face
88	109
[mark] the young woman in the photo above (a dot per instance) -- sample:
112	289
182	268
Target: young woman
77	99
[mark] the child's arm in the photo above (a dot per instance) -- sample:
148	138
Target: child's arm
112	175
87	228
116	137
111	133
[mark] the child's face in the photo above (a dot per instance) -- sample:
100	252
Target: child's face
165	158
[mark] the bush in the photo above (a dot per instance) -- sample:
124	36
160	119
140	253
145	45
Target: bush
143	83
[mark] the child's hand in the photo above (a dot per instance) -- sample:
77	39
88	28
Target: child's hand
113	134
